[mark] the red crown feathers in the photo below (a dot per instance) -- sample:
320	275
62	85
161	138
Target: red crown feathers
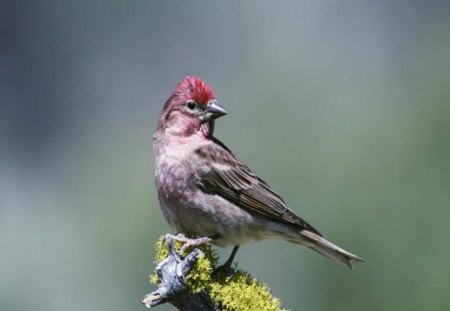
196	89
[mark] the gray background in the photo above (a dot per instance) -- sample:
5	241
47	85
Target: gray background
341	106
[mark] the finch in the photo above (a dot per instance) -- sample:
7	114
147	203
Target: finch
204	189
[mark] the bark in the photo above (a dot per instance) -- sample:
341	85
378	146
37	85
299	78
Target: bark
172	272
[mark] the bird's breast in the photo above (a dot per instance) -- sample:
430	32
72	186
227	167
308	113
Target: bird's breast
173	172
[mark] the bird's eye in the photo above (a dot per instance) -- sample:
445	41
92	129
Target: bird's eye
191	105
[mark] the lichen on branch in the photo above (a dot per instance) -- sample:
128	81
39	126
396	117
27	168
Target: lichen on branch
205	285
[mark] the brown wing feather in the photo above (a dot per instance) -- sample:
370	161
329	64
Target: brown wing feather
239	185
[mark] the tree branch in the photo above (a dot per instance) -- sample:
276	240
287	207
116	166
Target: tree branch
172	274
194	282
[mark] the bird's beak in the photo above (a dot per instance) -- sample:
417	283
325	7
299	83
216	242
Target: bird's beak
214	111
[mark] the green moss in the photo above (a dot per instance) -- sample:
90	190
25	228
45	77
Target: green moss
198	277
242	292
236	293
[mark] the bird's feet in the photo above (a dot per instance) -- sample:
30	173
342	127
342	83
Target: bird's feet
227	268
188	242
195	242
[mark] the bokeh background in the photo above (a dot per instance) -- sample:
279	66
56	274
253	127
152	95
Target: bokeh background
342	106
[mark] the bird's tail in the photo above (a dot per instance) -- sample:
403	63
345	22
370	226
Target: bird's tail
330	250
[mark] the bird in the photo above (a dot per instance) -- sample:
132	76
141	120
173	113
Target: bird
205	190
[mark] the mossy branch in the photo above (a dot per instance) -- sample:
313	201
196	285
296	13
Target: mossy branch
193	281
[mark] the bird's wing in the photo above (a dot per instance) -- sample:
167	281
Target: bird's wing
225	175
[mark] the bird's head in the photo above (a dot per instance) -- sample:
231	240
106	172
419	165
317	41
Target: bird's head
191	108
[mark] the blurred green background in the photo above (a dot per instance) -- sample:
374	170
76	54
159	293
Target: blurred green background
342	106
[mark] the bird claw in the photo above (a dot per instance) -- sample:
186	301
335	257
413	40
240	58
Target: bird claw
195	242
187	242
227	266
226	270
180	237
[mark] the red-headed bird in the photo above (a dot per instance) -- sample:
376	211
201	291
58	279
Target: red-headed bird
206	190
